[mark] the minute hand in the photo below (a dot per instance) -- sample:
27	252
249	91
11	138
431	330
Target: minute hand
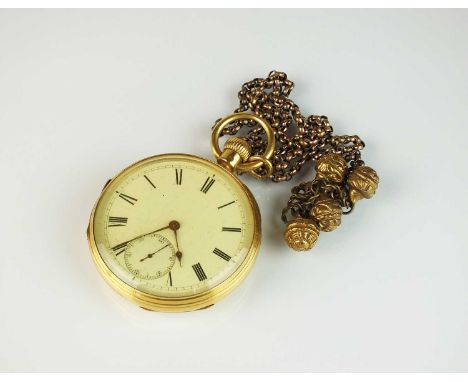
137	237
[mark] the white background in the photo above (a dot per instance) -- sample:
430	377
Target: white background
85	93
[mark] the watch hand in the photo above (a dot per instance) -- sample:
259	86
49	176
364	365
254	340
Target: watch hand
150	255
179	257
137	237
174	226
178	253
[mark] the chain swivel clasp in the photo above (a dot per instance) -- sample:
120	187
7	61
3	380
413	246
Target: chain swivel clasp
237	153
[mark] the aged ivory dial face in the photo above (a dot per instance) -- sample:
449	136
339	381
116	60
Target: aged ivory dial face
174	226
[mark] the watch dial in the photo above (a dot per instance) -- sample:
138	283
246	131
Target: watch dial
174	225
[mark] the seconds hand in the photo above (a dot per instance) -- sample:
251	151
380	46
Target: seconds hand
150	255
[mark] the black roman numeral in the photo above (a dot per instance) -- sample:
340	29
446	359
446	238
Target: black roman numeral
221	254
169	279
128	199
207	185
229	229
225	205
178	176
115	221
149	181
199	271
120	248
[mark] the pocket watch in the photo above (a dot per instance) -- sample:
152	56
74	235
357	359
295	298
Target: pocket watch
176	232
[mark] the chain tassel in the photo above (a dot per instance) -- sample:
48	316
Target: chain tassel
321	202
341	176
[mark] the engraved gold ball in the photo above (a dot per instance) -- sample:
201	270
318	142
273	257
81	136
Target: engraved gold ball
362	182
327	213
331	167
301	234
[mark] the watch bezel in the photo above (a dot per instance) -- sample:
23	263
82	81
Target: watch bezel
178	304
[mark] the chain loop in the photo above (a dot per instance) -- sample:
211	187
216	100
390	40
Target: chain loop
257	165
257	162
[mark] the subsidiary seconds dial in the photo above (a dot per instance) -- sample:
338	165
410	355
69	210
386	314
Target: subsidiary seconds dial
150	256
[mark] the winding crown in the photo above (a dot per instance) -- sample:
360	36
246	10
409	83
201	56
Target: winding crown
239	146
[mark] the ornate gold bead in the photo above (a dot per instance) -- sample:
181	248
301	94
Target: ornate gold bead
331	167
362	182
327	213
301	234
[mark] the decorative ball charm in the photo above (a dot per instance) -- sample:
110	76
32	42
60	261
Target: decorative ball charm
327	213
301	234
331	167
362	182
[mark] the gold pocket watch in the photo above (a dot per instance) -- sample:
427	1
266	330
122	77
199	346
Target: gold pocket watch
176	232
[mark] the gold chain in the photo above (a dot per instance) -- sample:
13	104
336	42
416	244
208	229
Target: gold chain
284	140
305	195
299	139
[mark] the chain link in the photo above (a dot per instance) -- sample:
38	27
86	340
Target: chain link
305	195
299	139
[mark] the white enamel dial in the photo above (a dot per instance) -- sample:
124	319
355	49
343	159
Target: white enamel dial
174	226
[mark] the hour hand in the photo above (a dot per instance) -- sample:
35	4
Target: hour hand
179	257
174	226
